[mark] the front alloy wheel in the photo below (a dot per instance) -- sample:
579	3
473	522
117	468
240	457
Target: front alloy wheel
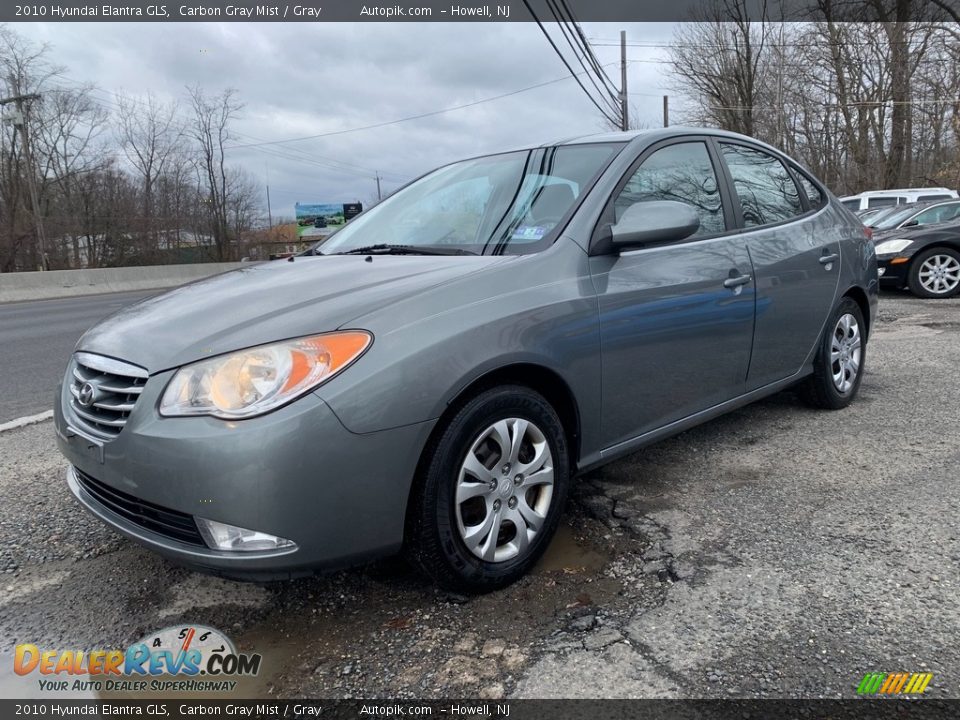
936	273
491	493
504	490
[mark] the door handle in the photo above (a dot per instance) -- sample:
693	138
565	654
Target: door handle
736	281
827	259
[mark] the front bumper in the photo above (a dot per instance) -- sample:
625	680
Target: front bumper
297	473
893	274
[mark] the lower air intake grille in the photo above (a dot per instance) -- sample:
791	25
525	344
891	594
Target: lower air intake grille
169	523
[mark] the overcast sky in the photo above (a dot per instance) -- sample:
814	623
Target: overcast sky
304	79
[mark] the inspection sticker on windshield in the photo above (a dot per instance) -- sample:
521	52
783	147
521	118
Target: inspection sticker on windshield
529	232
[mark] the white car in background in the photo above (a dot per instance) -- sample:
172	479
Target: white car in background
872	199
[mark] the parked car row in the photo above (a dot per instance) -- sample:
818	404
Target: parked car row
917	241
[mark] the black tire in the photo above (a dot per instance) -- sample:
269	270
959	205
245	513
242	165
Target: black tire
434	541
820	389
913	279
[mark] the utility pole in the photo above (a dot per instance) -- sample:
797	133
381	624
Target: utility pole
269	213
624	120
266	167
21	120
666	111
379	196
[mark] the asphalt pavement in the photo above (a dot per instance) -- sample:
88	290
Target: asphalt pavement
778	551
36	339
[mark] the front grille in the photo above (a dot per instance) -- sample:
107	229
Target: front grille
103	393
163	521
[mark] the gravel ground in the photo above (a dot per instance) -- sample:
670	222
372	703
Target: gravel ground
775	552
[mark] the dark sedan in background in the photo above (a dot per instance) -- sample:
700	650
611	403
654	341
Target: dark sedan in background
925	259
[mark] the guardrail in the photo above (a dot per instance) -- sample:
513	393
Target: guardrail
68	283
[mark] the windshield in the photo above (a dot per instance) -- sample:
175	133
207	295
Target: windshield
893	218
500	204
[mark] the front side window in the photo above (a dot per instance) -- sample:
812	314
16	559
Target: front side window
925	198
894	218
939	214
682	172
767	192
501	204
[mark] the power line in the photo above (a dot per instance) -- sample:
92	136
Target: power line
572	72
271	152
582	56
589	50
410	117
311	158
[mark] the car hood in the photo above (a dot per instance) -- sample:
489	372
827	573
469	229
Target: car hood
267	302
917	232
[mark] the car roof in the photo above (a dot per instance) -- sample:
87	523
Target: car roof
652	135
949	194
924	204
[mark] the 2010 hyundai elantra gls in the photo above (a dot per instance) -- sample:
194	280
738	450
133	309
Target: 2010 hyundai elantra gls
434	375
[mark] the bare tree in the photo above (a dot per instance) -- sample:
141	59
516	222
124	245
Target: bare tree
211	132
23	70
865	104
150	135
720	60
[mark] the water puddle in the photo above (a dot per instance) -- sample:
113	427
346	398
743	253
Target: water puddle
567	555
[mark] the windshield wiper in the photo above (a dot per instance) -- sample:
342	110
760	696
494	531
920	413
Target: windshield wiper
384	249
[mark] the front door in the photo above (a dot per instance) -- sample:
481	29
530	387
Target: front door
676	321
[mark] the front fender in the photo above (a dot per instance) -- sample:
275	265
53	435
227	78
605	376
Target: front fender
539	310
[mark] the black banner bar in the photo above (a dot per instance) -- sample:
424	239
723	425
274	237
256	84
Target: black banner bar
467	11
273	709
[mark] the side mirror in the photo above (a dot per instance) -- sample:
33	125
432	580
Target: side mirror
658	222
912	223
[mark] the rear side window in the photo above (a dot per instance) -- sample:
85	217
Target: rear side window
852	204
922	198
682	172
767	192
887	201
815	198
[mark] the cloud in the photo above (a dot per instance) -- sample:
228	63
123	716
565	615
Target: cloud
300	79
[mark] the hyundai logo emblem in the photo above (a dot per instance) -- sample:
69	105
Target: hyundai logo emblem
86	395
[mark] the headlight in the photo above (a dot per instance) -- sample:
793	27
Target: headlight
892	247
254	381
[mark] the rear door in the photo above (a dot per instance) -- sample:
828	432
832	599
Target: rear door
795	249
676	321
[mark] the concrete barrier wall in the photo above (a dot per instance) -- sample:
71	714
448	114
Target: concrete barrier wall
67	283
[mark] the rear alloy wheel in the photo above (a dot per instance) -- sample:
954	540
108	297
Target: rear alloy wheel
838	365
935	273
492	493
